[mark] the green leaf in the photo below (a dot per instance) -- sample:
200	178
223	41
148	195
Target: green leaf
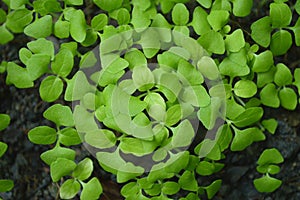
267	184
61	167
296	30
160	21
42	46
37	65
100	138
224	137
130	189
187	181
91	190
205	3
3	148
281	42
270	156
170	188
34	29
69	136
242	8
4	121
24	55
135	58
233	109
199	22
244	138
208	68
44	7
78	26
153	98
248	117
205	168
6	36
42	135
83	170
108	5
61	29
122	15
2	16
183	134
6	185
180	14
218	19
63	63
139	19
288	98
142	78
283	75
69	189
18	76
57	152
177	162
213	42
191	76
213	188
269	96
173	115
263	61
74	2
137	147
297	79
297	7
270	125
99	21
17	3
261	31
18	19
196	96
171	82
235	65
280	14
245	88
129	171
51	88
88	60
271	169
235	41
60	115
208	149
209	114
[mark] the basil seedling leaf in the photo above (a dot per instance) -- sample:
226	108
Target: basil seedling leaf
100	138
205	168
233	109
213	188
135	58
269	96
24	55
18	19
183	134
170	188
34	29
208	149
42	46
18	76
281	42
280	14
69	136
205	3
242	8
57	152
42	135
173	115
283	75
208	68
199	22
270	125
37	65
69	189
61	167
142	78
108	5
263	61
288	98
296	30
235	41
5	120
137	147
245	88
78	26
180	14
267	184
91	190
99	21
6	185
6	36
218	19
213	42
248	117
63	63
61	29
128	172
51	88
60	115
139	18
270	156
261	31
191	76
187	181
3	148
74	2
83	170
209	114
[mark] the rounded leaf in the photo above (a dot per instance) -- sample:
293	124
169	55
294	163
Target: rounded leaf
288	98
91	190
60	115
6	185
269	96
51	88
245	88
281	42
69	189
84	169
283	75
40	28
267	184
4	121
42	135
180	14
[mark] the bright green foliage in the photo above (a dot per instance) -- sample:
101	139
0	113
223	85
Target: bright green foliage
280	14
180	15
69	189
78	26
267	184
6	185
61	167
270	125
5	120
42	135
18	76
213	188
6	36
281	42
60	115
218	19
242	8
34	29
283	75
261	31
288	98
269	96
18	19
245	88
51	88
